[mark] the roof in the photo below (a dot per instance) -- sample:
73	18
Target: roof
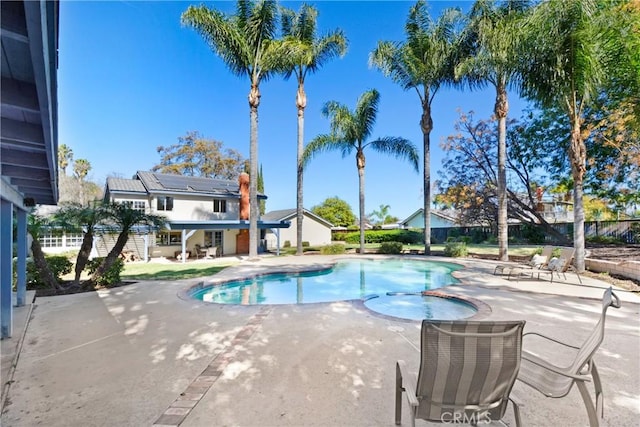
440	214
288	214
29	128
162	183
120	185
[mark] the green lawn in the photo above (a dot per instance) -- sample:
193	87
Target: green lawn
177	271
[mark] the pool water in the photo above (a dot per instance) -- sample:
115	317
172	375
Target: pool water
348	280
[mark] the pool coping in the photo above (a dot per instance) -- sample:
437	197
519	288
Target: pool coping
236	273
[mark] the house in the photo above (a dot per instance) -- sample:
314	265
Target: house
199	211
315	229
438	220
28	135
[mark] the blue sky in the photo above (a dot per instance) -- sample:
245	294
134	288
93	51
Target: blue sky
131	78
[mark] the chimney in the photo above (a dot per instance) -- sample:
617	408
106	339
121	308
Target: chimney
242	238
244	195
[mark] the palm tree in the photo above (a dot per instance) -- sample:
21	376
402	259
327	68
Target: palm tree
350	131
424	63
65	155
81	168
245	42
76	217
494	34
35	225
572	47
310	53
123	217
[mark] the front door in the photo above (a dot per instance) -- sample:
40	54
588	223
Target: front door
214	238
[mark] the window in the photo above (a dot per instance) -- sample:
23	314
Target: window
74	239
166	238
165	203
138	205
51	240
219	205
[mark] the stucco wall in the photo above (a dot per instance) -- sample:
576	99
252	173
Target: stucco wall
436	222
314	232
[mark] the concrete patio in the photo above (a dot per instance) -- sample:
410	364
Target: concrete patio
141	355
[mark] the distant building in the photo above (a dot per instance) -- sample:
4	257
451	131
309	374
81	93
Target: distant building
315	229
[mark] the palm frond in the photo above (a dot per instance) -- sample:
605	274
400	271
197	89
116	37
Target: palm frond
325	143
366	113
400	148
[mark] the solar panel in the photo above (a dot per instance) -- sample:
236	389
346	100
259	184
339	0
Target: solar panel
185	183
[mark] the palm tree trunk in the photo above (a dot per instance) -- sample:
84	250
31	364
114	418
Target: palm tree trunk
301	101
426	124
360	160
111	256
254	102
43	268
83	255
578	155
501	109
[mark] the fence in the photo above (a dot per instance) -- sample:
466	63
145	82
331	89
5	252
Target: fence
627	231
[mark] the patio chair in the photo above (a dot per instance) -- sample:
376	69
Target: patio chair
555	381
537	261
467	370
200	251
559	265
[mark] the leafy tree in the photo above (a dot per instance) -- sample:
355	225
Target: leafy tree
310	52
350	131
494	36
81	168
195	155
81	219
336	211
574	49
247	45
469	176
122	218
65	155
424	63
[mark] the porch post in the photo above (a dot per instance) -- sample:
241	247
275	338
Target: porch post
277	241
6	273
21	265
146	247
184	245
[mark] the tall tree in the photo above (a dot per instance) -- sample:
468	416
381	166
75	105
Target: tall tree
350	131
195	155
573	48
310	52
247	45
81	168
494	36
424	63
122	218
65	155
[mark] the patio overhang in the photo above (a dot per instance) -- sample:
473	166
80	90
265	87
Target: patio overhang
227	224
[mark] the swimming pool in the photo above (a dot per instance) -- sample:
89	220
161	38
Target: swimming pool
389	280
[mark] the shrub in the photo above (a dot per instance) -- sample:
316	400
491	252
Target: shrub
607	240
111	277
287	244
456	249
532	234
407	237
305	244
59	266
333	249
390	248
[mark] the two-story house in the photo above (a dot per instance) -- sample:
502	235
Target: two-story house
202	213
